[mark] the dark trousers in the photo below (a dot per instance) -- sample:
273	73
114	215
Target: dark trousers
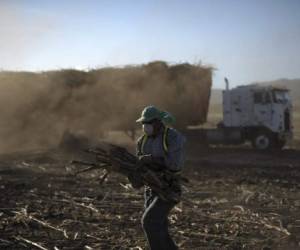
155	223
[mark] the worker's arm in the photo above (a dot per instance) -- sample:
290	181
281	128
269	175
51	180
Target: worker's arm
158	162
134	178
138	150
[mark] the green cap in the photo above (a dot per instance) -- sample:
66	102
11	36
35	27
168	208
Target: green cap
151	112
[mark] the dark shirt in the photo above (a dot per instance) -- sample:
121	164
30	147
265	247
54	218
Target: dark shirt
175	156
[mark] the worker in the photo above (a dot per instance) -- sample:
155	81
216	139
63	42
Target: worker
164	146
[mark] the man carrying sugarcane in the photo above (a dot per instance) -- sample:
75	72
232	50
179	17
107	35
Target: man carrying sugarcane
162	147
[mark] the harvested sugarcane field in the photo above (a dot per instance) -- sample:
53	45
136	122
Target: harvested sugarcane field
236	198
149	125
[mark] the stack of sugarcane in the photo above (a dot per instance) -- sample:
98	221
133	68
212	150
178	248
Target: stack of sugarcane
118	159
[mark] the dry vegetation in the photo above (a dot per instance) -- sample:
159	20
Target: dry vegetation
236	199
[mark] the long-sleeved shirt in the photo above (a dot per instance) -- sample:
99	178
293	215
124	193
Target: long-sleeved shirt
174	158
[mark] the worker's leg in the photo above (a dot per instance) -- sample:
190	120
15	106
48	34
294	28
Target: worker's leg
155	225
148	196
169	243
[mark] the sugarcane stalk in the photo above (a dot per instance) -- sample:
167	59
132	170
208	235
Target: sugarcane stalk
118	159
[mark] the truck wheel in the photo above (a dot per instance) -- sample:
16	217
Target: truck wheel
262	141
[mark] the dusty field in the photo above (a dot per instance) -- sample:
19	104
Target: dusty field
236	199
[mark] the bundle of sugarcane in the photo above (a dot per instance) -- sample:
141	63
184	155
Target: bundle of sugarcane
118	159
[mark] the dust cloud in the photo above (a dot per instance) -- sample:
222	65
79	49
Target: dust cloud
36	109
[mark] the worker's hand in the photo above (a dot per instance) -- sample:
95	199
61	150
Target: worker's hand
154	163
146	159
135	180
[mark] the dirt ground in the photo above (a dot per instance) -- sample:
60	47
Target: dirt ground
236	199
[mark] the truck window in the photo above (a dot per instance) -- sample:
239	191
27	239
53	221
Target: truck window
287	96
281	96
267	97
258	97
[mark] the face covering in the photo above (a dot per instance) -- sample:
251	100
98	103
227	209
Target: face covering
148	129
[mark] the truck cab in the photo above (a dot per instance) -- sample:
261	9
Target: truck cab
260	114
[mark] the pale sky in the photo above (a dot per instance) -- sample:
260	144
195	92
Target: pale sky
247	41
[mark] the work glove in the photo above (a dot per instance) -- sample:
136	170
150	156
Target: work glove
146	159
135	180
154	163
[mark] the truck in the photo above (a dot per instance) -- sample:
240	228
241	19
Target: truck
261	115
